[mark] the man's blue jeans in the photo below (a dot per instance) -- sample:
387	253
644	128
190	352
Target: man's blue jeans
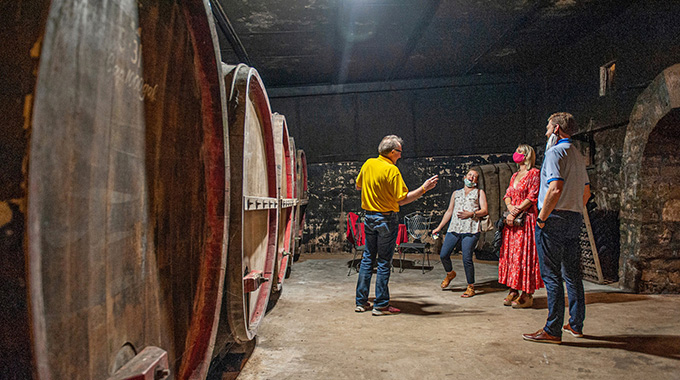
557	245
381	237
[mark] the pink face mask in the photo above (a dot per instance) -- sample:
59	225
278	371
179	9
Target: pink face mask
518	157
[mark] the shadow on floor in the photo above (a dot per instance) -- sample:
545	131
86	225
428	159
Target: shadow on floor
599	297
481	288
418	308
412	264
396	264
666	346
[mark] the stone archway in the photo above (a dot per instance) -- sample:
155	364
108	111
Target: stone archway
650	196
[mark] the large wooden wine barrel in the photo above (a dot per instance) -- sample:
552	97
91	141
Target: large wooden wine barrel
254	201
303	198
494	180
285	167
113	189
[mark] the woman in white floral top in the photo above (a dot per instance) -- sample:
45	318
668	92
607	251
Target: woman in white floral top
466	207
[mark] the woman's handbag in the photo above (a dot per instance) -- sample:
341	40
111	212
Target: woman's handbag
485	223
519	219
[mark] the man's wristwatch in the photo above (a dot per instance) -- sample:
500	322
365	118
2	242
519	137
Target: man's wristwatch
539	220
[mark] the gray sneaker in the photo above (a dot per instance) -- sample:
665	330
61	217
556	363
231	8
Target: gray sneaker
362	308
388	310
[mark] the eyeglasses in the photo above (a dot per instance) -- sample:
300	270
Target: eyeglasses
398	150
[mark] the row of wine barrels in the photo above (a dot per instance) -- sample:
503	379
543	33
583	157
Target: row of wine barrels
494	179
140	203
113	201
253	215
264	204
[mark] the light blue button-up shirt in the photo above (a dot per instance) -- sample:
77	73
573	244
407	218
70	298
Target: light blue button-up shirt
563	162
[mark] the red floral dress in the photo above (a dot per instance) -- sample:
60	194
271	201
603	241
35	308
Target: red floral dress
518	265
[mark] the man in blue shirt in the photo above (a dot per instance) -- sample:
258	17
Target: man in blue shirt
563	193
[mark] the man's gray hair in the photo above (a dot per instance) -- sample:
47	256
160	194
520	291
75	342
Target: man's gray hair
389	143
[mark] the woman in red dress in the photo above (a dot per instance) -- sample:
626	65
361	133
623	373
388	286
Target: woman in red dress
518	266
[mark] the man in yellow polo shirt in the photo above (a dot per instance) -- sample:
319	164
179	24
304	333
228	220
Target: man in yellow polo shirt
382	192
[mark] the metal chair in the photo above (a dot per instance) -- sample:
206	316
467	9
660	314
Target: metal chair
355	235
418	226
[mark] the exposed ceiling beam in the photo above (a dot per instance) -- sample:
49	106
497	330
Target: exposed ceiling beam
397	85
228	30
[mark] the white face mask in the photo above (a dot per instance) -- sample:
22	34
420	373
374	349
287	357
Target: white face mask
552	140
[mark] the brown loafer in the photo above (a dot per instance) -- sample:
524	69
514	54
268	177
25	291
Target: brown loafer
541	336
574	333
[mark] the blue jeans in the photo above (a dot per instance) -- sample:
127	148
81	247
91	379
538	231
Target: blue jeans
467	243
381	237
557	245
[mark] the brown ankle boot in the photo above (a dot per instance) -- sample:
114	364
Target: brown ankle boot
449	276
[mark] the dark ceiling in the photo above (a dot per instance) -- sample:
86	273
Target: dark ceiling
331	42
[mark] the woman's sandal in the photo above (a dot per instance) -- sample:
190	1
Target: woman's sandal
469	292
511	297
524	302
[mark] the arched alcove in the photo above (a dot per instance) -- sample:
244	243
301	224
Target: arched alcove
650	175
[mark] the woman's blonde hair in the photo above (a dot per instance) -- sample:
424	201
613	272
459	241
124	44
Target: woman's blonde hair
529	155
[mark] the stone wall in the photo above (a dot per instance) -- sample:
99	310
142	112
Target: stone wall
659	252
333	194
604	172
649	229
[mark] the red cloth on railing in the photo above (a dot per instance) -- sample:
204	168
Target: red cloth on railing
402	235
354	230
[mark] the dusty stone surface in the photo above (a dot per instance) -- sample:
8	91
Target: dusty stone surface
314	333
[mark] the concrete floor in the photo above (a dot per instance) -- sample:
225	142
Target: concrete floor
314	333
